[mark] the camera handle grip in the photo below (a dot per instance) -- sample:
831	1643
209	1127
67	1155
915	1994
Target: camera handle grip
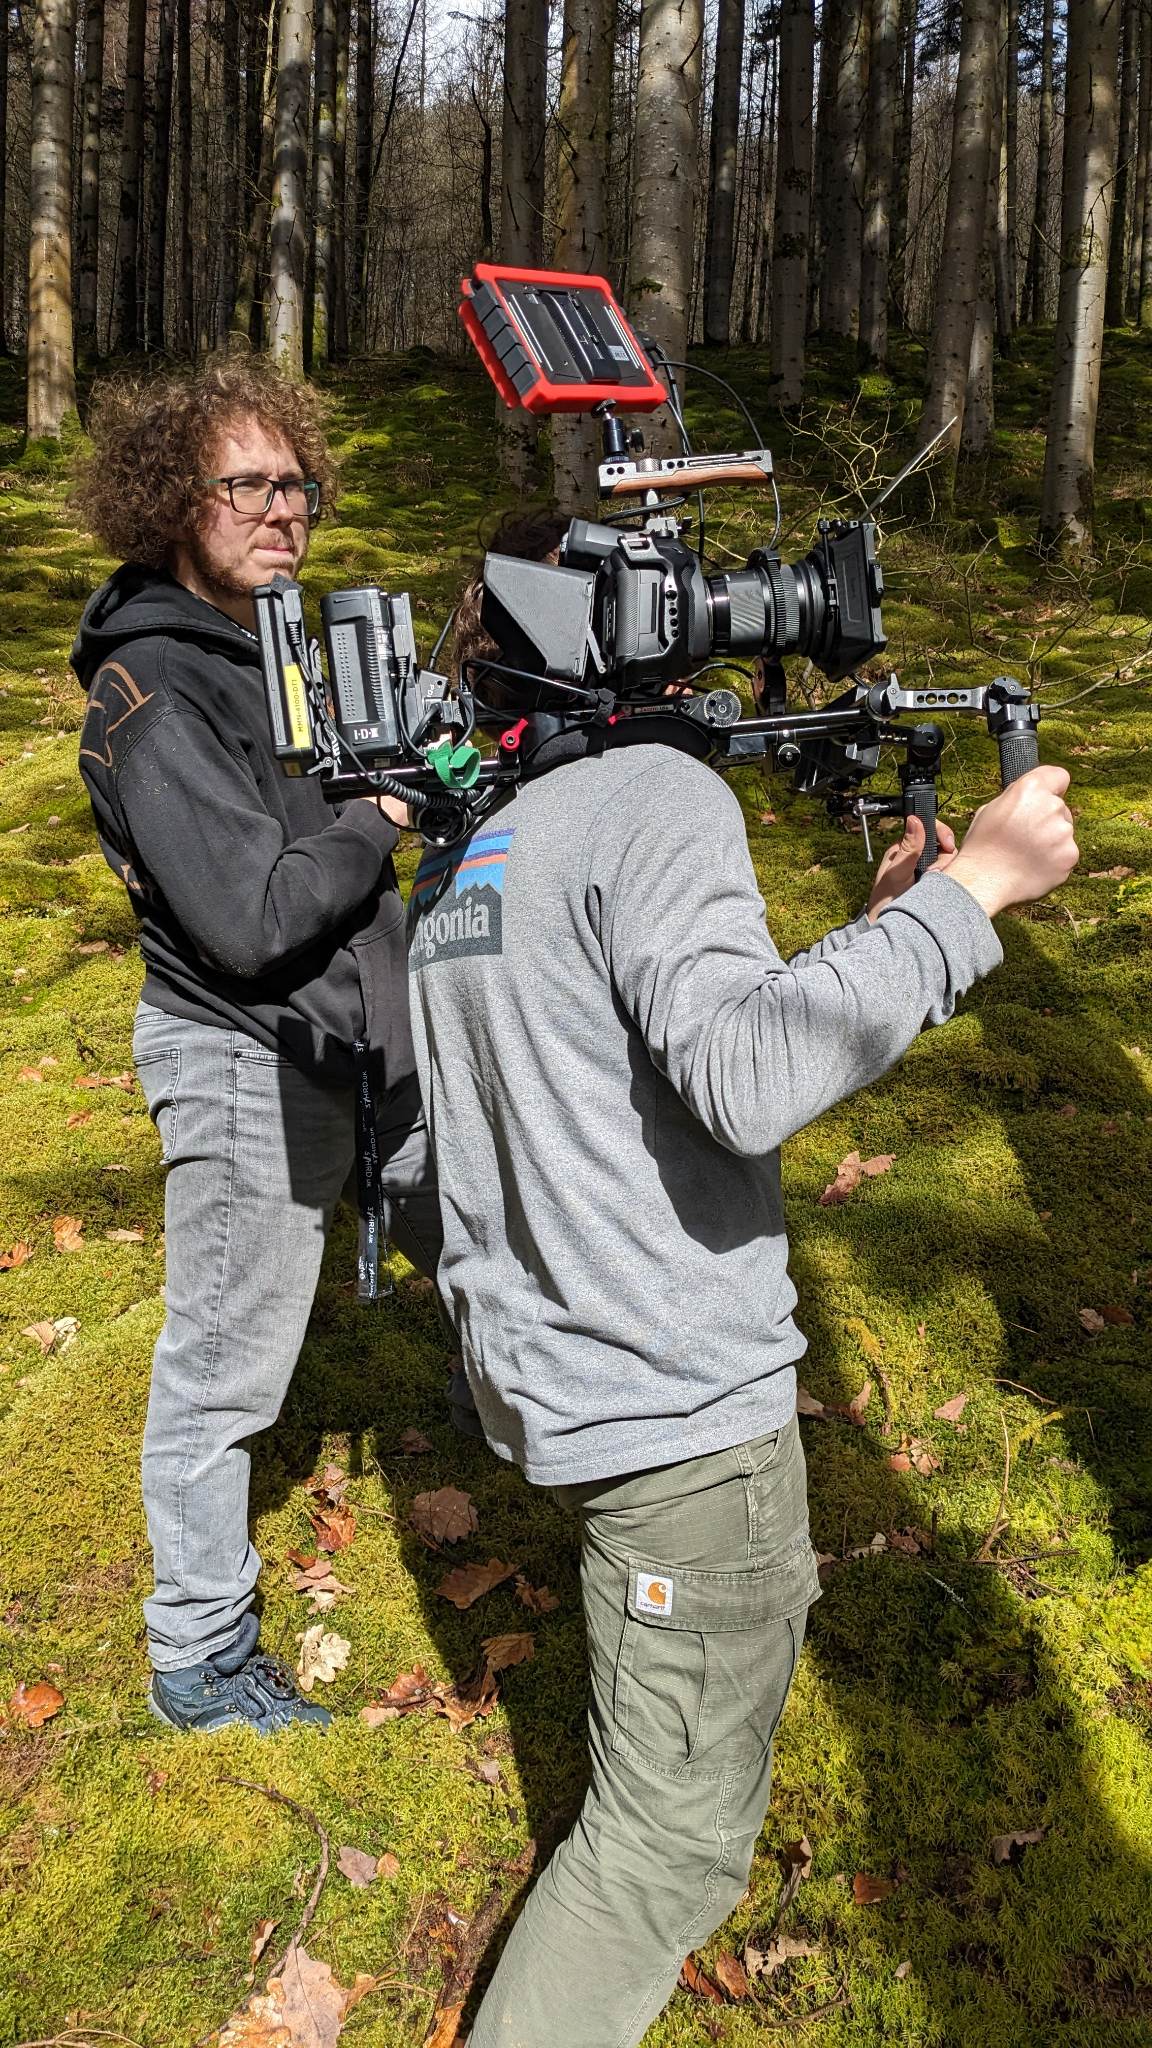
920	802
1012	720
1019	751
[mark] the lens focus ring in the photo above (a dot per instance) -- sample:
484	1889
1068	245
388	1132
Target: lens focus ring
746	613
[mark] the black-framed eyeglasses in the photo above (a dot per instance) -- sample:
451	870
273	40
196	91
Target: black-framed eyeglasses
252	496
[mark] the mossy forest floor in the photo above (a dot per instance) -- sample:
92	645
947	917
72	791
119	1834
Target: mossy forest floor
996	1678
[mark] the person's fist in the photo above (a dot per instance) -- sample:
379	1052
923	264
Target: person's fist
1020	846
897	870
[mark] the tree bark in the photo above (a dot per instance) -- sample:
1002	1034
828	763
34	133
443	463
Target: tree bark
289	190
979	397
880	152
362	190
3	181
129	322
230	224
1039	265
246	316
897	270
522	192
977	87
1114	302
1005	247
718	246
1067	502
792	223
339	346
51	365
1143	137
324	173
161	167
89	250
664	185
185	266
583	121
844	190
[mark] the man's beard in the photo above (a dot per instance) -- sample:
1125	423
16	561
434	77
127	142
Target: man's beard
218	578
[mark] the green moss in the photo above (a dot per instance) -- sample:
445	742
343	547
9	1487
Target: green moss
941	1700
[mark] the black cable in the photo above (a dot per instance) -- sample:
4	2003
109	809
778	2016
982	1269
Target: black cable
698	370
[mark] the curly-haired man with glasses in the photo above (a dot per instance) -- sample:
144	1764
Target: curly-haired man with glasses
275	975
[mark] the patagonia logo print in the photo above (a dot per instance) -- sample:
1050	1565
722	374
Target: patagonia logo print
457	904
653	1595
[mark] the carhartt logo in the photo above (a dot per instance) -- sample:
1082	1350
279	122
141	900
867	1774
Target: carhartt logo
653	1596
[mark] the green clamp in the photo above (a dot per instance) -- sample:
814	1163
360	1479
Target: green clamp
457	766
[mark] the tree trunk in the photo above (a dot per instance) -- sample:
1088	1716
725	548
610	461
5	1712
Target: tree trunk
664	186
718	246
897	270
769	201
1039	267
1066	510
977	88
230	224
339	331
761	219
89	251
1005	245
1144	136
844	192
161	167
129	323
3	181
979	398
522	192
878	182
324	132
362	192
1114	306
792	223
289	190
185	266
583	120
51	366
246	317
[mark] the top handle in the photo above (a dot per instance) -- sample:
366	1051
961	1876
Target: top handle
1012	721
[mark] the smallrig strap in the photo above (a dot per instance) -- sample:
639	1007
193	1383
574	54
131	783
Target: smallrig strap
369	1183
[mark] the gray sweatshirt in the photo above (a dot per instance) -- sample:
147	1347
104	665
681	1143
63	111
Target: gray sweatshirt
612	1052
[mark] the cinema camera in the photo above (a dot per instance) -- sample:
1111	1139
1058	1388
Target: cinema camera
590	645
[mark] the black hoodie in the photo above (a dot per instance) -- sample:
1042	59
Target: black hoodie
261	907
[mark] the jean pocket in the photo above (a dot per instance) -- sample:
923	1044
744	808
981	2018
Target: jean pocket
158	1068
705	1662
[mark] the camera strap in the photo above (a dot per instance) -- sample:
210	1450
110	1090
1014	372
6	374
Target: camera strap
369	1182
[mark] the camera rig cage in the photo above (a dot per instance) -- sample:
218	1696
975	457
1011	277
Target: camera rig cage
607	644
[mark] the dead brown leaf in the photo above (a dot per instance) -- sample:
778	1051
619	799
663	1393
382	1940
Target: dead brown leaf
322	1655
35	1704
859	1402
850	1172
868	1891
461	1705
1117	874
156	1781
693	1978
388	1865
357	1866
124	1236
1010	1848
335	1527
1091	1319
304	2007
68	1233
93	946
537	1599
778	1950
731	1976
414	1443
18	1256
446	2032
501	1652
807	1404
952	1410
1118	1317
30	1074
445	1516
467	1583
412	1689
261	1935
43	1334
78	1117
899	1461
901	1971
126	1081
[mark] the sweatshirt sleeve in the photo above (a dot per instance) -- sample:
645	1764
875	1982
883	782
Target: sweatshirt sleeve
247	900
754	1046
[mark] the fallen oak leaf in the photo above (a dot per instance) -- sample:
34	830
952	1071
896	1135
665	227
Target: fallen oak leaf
952	1410
1116	874
501	1652
388	1865
322	1655
412	1689
303	2007
1118	1317
1092	1320
868	1891
731	1975
444	1516
1010	1848
414	1443
124	1236
78	1117
68	1233
807	1404
43	1334
467	1583
261	1935
18	1256
850	1172
35	1704
537	1599
335	1527
778	1950
693	1978
795	1860
358	1867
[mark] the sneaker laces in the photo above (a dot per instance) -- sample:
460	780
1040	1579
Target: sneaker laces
264	1683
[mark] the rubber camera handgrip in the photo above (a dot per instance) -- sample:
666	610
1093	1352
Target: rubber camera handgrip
1019	751
920	802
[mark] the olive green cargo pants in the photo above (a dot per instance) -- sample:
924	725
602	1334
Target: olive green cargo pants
696	1580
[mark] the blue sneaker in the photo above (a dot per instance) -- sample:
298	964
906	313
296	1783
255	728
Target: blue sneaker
237	1685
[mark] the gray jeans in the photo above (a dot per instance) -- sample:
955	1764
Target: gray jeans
257	1155
696	1580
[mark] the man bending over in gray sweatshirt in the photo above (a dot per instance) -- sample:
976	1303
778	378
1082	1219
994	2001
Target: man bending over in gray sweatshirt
612	1052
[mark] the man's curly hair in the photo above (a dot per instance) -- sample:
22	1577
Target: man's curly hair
152	440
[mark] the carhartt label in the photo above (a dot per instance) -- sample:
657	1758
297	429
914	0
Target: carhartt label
653	1596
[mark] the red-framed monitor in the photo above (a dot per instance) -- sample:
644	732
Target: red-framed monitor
555	341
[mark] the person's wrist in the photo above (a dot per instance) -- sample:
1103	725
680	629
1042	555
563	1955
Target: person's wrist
975	877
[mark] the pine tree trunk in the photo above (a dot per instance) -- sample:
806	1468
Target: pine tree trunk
89	250
1039	266
289	190
246	324
1066	510
979	397
129	322
718	247
583	120
3	181
522	193
161	167
769	202
844	194
1143	136
897	270
339	329
323	132
1005	244
977	89
230	225
664	185
792	225
1114	306
51	365
749	327
362	190
881	131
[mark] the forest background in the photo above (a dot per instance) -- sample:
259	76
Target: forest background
878	221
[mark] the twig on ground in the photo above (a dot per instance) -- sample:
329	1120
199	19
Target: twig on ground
1001	1521
313	1899
458	1983
804	2019
72	2037
886	1398
1022	1389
